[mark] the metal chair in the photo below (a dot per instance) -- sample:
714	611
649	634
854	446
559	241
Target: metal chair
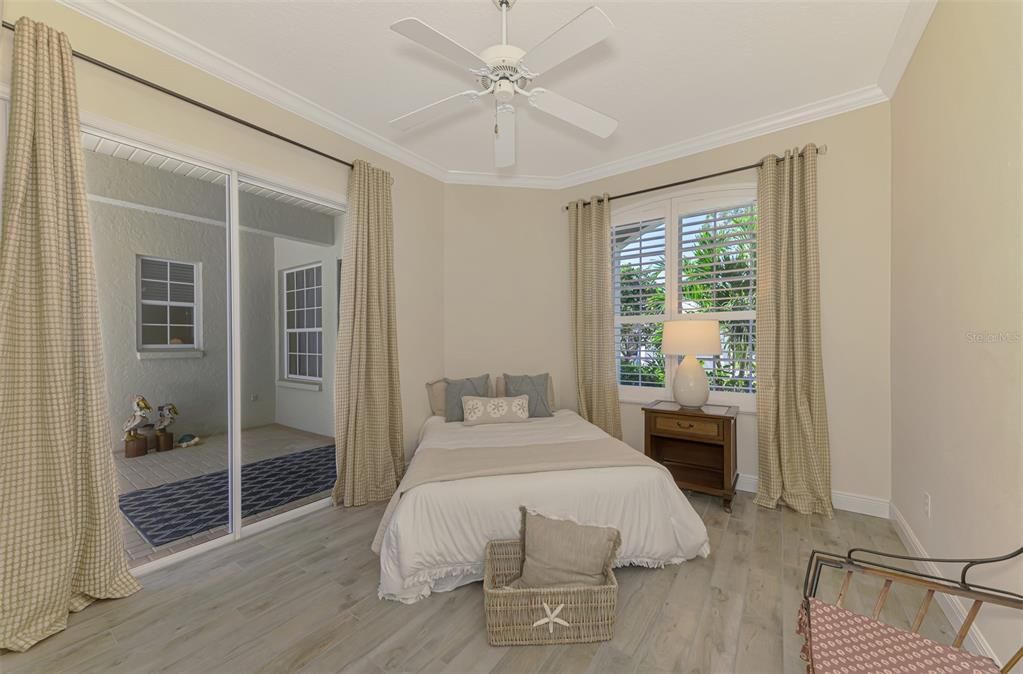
853	562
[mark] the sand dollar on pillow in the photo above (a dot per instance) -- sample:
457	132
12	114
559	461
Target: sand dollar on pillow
479	410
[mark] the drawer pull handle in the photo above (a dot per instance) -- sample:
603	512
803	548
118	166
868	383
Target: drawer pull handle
689	425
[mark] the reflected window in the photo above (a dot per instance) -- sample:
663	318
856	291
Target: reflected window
168	311
302	303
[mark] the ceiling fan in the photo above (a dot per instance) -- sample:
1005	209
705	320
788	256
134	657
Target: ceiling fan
505	70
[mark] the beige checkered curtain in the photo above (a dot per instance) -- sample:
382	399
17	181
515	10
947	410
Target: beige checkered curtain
792	419
370	451
593	316
61	544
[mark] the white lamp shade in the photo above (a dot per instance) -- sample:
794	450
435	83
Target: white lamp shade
694	338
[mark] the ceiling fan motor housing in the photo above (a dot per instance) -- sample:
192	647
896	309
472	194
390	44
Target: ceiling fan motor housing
503	70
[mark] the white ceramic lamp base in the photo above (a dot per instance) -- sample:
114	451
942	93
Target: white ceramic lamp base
690	383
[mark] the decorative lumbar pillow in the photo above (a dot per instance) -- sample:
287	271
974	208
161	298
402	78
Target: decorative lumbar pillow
494	410
457	388
535	386
435	391
562	552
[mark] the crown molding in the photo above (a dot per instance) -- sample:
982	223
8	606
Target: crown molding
484	179
827	107
125	20
911	29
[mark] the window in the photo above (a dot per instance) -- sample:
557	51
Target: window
639	272
709	254
168	293
303	323
717	278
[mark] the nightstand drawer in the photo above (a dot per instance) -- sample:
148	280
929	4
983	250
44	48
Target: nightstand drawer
674	424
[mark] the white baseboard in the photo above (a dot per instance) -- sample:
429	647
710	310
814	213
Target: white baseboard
843	500
952	607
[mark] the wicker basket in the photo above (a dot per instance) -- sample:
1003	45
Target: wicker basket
512	614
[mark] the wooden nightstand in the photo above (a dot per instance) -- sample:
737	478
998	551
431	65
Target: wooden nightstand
696	445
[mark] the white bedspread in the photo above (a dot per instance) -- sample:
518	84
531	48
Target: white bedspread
435	539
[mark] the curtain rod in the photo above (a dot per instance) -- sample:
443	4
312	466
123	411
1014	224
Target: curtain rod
199	104
823	149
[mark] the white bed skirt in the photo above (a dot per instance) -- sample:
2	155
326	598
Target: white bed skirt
435	540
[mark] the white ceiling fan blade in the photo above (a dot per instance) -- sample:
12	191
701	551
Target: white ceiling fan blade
419	32
433	111
580	33
504	135
574	113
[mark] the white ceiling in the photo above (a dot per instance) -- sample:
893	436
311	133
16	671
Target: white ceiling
679	76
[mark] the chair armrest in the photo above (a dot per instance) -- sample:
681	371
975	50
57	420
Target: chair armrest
967	563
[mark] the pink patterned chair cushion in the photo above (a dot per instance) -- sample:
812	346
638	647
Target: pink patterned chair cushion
842	642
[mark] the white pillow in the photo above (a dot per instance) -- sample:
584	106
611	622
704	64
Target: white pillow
478	410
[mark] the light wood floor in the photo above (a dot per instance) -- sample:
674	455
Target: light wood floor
303	597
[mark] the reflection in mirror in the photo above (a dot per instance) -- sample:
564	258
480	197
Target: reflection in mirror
160	240
290	246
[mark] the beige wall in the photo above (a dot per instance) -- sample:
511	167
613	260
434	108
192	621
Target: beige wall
120	106
507	302
955	276
506	287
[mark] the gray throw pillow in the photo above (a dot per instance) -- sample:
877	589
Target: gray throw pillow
561	552
456	388
534	386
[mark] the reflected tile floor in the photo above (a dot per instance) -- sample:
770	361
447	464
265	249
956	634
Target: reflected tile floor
156	468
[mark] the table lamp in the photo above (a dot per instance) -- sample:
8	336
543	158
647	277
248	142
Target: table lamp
687	339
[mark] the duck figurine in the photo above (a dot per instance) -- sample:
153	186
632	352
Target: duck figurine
166	414
139	416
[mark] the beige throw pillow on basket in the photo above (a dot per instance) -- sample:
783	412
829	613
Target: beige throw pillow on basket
561	552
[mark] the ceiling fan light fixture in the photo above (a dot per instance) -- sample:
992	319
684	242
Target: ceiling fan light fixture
504	91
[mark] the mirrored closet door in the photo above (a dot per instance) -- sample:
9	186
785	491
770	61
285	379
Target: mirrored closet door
289	250
160	234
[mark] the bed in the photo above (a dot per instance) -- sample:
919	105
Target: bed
465	485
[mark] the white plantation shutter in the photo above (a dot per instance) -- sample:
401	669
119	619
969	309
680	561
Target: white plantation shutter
703	267
717	279
638	258
640	362
735	369
639	255
717	261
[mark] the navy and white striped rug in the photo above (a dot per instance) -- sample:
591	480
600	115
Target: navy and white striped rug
178	509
